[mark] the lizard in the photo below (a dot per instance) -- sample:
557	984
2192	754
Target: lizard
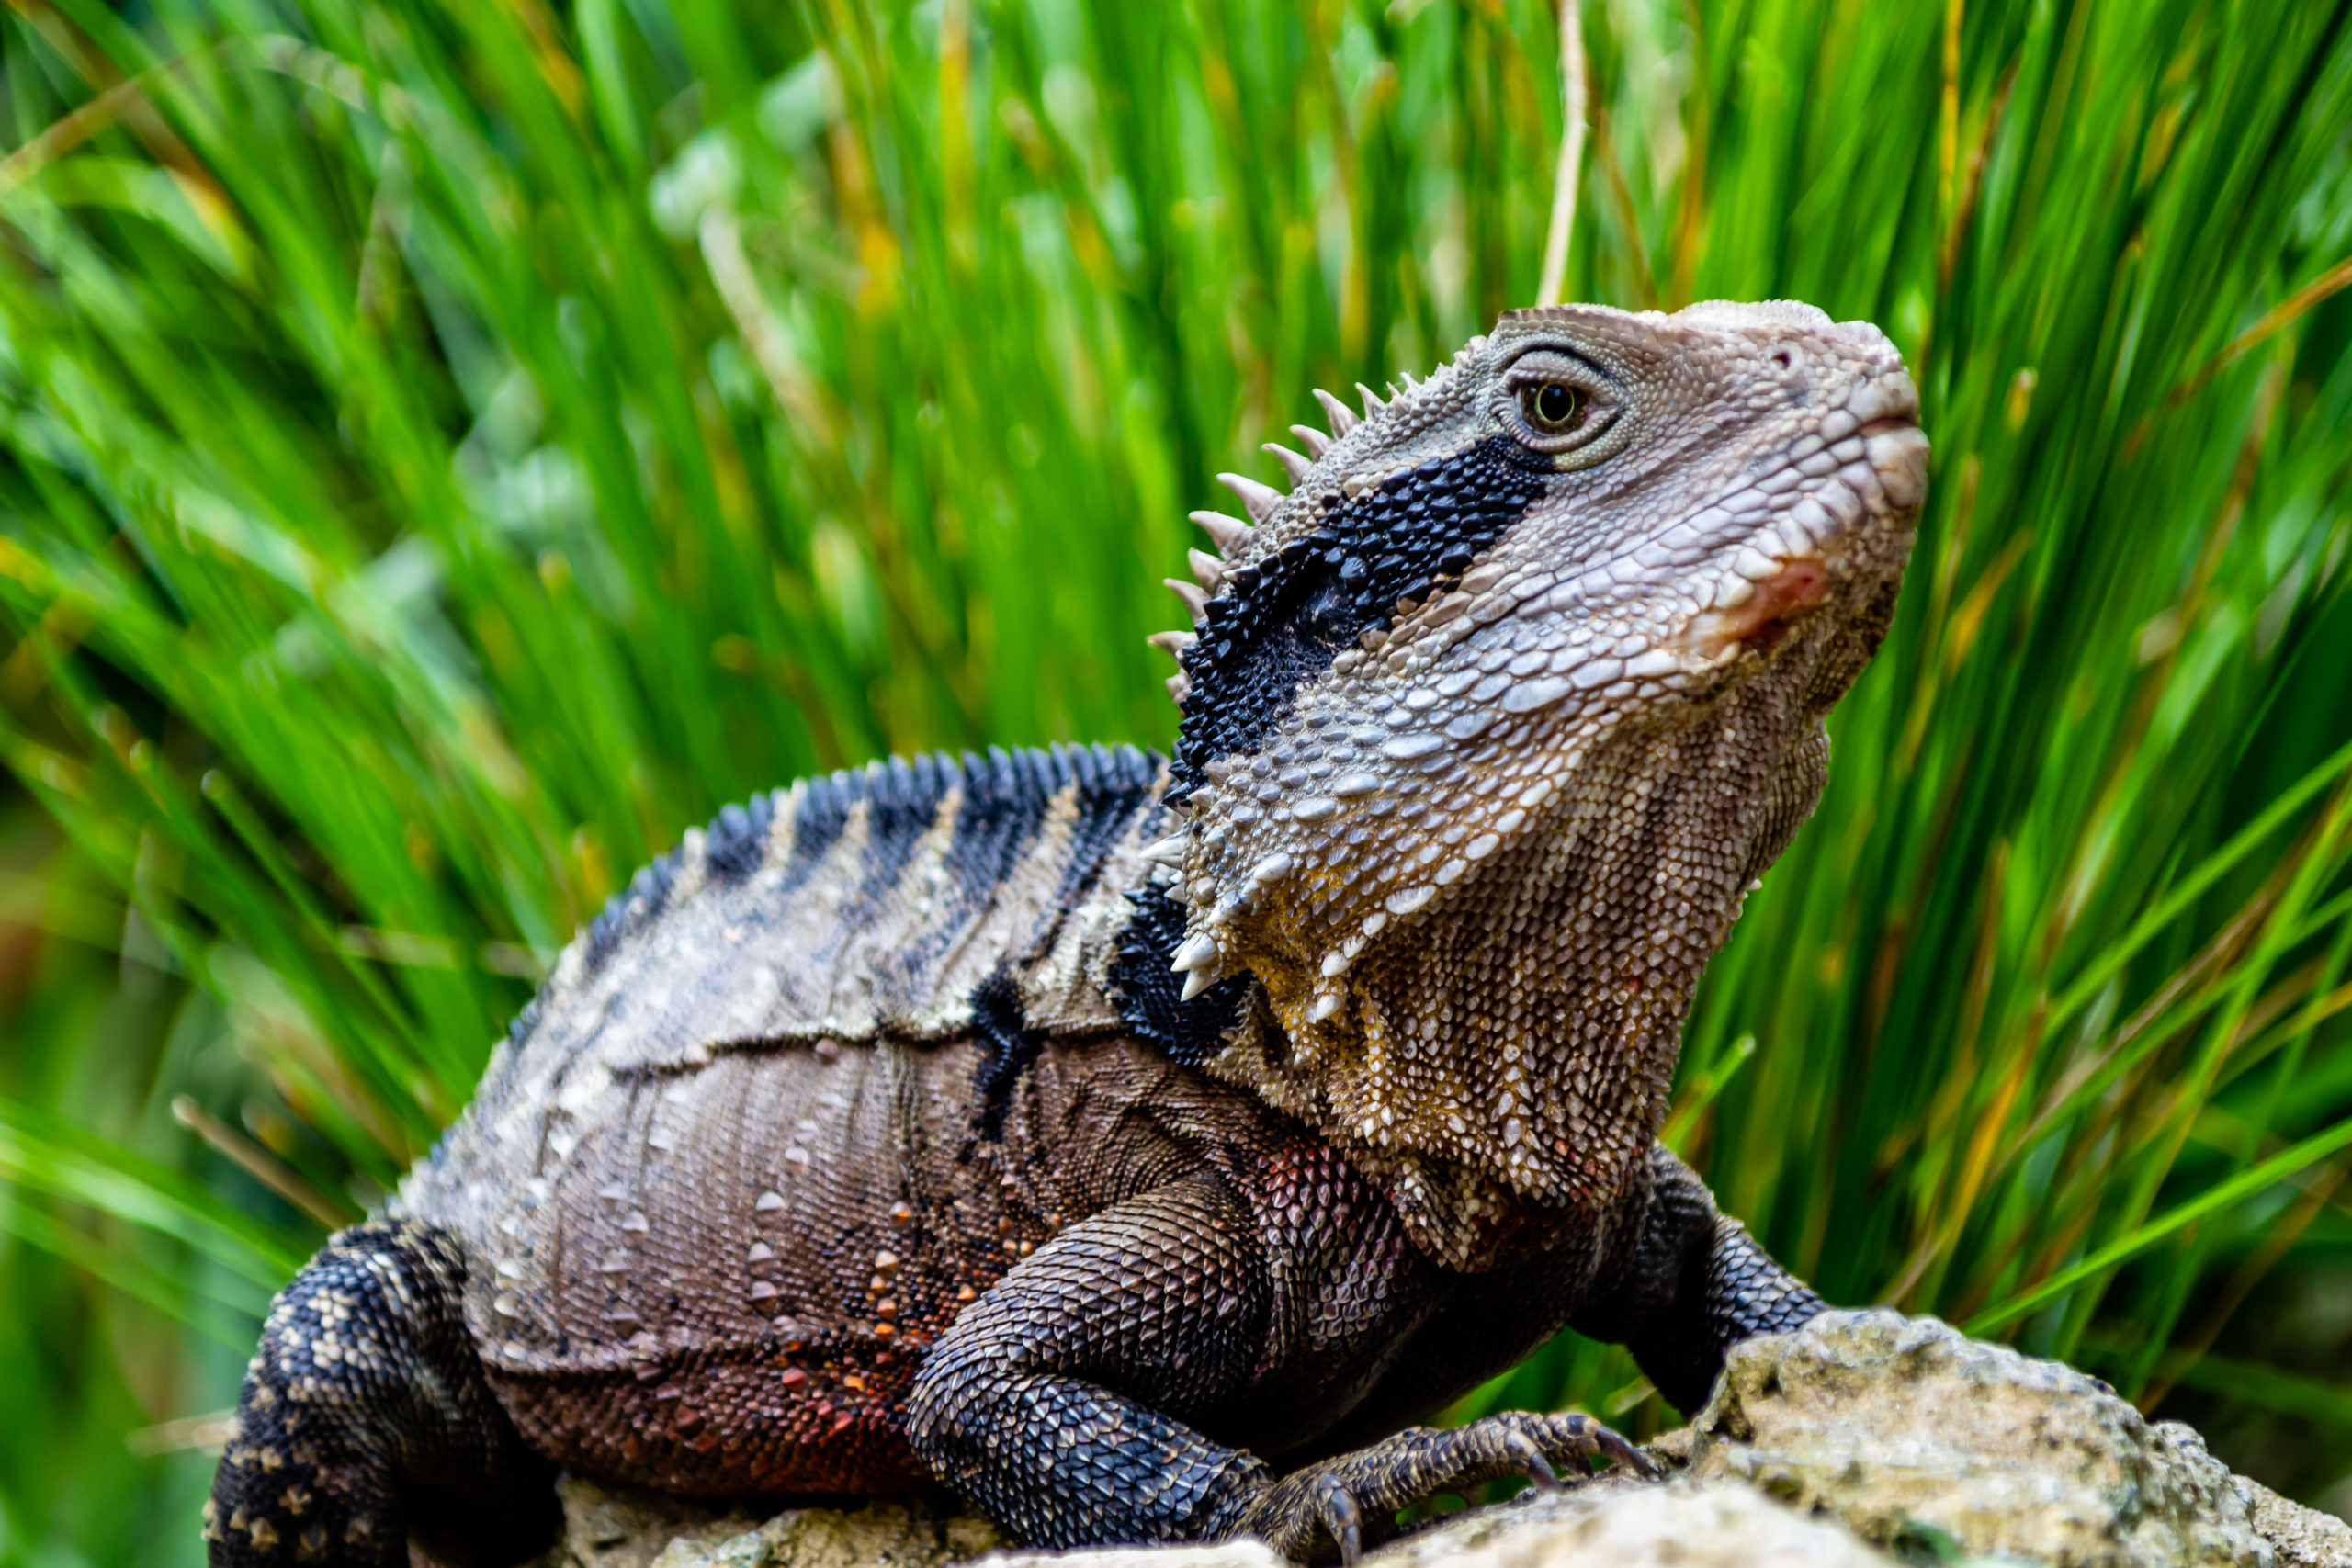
1140	1145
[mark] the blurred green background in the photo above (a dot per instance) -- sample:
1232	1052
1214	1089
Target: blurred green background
446	449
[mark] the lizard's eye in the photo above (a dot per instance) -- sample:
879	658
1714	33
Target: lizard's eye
1553	408
1557	402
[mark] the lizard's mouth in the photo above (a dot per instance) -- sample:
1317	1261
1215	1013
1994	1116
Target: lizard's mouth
1822	520
1760	622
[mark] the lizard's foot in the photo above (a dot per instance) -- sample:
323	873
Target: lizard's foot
1345	1499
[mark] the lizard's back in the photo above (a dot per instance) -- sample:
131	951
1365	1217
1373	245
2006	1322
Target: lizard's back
808	1086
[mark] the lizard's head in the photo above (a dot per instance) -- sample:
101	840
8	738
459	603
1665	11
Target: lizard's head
1490	720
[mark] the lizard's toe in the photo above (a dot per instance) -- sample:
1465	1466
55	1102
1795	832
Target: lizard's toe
1342	1517
1305	1515
1542	1448
1528	1455
1578	1438
1350	1500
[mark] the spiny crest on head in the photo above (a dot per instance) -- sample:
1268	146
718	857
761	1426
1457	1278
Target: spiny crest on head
1232	538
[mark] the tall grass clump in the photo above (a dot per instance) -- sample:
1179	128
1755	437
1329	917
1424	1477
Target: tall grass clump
447	449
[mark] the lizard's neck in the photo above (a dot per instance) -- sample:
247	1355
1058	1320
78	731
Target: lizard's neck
1504	1064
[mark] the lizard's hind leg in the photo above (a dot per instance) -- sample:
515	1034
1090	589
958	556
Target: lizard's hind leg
365	1416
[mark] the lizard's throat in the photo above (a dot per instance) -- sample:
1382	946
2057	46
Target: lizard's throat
1504	1064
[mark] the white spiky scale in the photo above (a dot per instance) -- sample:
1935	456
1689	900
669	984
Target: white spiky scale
1228	534
1297	465
1197	951
1340	417
1195	598
1261	499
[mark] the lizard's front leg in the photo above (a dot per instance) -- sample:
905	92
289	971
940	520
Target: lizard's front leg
1054	1401
1692	1284
1058	1400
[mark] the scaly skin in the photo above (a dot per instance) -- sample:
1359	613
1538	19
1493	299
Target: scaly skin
1140	1148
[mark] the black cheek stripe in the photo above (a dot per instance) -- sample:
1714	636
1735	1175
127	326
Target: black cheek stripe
1280	625
1283	620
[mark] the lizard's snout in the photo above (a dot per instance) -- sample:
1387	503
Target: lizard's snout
1886	412
1860	474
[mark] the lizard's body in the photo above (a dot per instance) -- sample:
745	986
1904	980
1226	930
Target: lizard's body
1080	1129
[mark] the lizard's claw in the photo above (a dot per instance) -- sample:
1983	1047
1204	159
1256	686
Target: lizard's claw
1342	1518
1530	1460
1624	1453
1344	1501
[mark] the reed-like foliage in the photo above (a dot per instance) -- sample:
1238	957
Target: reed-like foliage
447	449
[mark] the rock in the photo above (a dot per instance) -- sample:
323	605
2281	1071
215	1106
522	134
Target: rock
2303	1538
639	1530
880	1535
1907	1430
1216	1554
1626	1524
1619	1523
1862	1439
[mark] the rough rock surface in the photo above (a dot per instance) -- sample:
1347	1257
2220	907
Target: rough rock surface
1620	1524
1901	1426
1627	1525
637	1529
1866	1438
2303	1538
